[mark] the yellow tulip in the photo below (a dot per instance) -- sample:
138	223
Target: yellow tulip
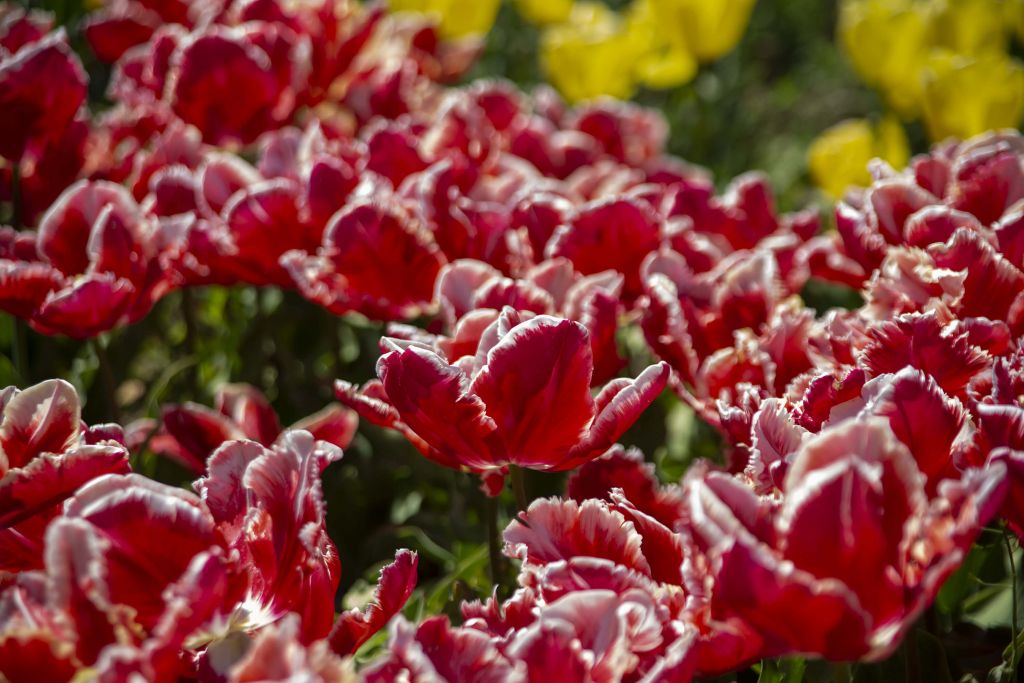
455	18
664	62
888	42
965	96
591	55
972	27
707	29
543	12
838	158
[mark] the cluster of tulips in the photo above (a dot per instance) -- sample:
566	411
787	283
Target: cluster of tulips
313	146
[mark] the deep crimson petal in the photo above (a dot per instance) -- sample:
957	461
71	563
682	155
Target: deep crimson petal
30	497
991	283
1013	507
364	245
44	418
435	401
1010	235
193	432
551	648
436	651
614	234
25	286
824	393
937	224
110	35
930	423
617	407
65	230
92	305
292	564
396	583
141	538
41	88
891	203
205	64
625	469
263	222
987	177
921	342
536	388
19	28
799	613
250	410
334	424
662	546
34	643
552	530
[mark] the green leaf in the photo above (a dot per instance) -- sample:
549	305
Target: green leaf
782	670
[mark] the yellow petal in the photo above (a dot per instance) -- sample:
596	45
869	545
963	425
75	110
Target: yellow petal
888	42
455	18
707	28
838	158
972	27
965	96
543	12
591	55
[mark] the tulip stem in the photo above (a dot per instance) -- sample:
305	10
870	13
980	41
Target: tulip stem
1013	610
494	552
841	672
19	351
518	487
108	383
188	314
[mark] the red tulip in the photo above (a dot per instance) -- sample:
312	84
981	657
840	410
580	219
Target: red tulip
45	457
523	400
42	87
853	552
365	243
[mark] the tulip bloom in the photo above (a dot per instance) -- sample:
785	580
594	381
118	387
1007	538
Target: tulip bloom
42	87
839	157
46	455
524	399
996	85
455	18
190	433
844	563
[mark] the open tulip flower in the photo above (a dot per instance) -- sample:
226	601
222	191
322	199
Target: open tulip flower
138	572
856	491
522	399
95	263
46	454
190	433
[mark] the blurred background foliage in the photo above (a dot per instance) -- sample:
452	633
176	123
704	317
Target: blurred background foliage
759	106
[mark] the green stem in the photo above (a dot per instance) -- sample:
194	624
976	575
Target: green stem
108	383
1014	652
19	352
912	658
518	487
841	672
188	314
494	551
